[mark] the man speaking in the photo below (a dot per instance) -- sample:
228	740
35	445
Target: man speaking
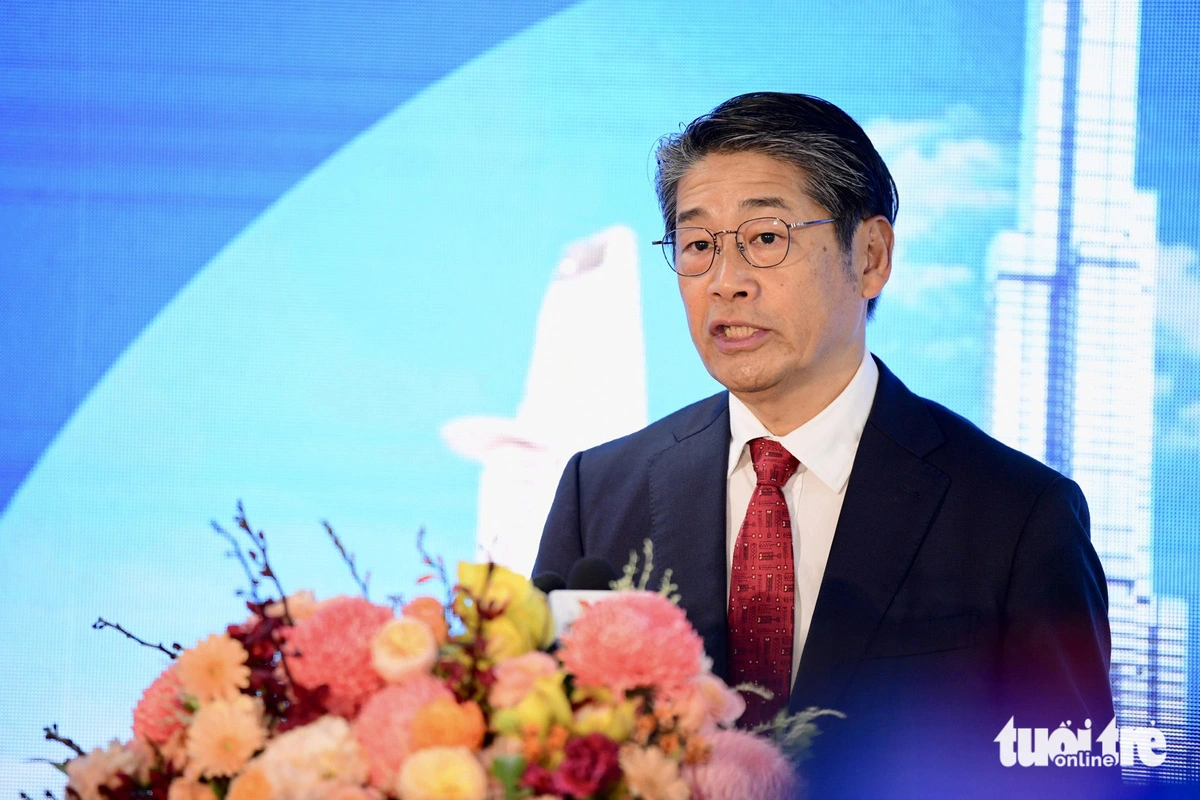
836	538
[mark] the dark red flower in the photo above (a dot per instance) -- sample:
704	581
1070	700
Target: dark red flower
308	706
590	766
538	778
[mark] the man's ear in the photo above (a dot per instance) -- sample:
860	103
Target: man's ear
875	265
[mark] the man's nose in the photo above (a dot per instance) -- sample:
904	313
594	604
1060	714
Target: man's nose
730	273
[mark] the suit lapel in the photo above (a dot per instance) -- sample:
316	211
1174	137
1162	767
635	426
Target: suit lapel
891	499
687	510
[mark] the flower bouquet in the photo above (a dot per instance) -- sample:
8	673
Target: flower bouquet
454	699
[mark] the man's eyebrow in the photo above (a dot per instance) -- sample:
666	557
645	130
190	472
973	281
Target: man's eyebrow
765	202
748	204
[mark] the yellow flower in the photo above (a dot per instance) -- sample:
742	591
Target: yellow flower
544	705
223	737
532	615
504	639
442	773
524	606
615	722
403	648
214	668
503	585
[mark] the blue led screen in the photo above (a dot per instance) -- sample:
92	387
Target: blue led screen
324	258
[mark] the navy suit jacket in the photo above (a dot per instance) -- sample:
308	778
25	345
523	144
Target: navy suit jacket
961	590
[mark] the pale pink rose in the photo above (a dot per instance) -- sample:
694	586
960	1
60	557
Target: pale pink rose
402	648
515	677
690	710
723	705
300	606
704	704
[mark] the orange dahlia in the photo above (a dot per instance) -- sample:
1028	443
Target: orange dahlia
448	723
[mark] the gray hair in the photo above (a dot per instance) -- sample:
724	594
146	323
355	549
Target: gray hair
843	172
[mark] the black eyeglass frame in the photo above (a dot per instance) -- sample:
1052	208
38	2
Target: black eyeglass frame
667	243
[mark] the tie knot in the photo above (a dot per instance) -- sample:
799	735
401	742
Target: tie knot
773	464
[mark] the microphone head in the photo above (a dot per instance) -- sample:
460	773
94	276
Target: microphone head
591	572
549	582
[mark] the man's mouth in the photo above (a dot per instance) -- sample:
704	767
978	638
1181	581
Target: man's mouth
738	332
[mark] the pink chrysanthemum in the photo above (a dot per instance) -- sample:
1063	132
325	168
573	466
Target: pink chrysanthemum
384	726
742	765
333	648
160	712
634	639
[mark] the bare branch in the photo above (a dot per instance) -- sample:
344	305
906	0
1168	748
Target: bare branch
438	566
52	735
363	582
236	552
260	541
101	623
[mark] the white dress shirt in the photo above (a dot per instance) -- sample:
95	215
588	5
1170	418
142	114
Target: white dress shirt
825	447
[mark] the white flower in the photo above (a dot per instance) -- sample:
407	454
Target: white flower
88	772
307	763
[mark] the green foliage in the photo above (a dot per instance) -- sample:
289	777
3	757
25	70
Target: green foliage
793	734
627	582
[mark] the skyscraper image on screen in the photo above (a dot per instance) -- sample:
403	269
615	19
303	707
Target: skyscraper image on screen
1073	375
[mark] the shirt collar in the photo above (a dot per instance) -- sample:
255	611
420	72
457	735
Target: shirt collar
827	443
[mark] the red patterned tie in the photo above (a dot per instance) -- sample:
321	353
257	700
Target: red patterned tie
762	586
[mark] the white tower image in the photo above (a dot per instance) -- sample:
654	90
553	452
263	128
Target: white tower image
1073	349
586	385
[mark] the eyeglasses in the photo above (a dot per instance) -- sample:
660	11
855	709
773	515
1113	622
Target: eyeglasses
763	242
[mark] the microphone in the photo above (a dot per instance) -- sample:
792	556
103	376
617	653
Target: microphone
591	573
549	582
588	583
